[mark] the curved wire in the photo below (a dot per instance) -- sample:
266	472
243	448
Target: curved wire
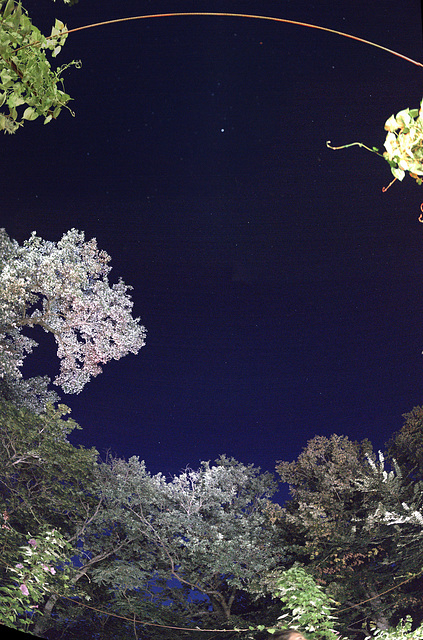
233	15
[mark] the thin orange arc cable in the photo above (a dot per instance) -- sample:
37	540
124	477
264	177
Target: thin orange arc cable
246	15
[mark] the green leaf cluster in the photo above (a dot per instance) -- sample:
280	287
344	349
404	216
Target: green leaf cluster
47	487
41	565
305	603
402	631
206	530
404	143
27	80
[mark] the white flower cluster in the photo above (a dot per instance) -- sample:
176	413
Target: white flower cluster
408	515
63	287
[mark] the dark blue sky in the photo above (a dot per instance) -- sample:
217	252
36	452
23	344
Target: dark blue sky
281	289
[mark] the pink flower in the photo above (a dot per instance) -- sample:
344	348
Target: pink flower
47	568
24	589
32	542
19	566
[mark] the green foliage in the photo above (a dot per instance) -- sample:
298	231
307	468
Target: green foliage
335	519
401	632
403	144
46	484
406	446
31	393
397	516
26	77
44	479
305	603
201	538
191	551
39	567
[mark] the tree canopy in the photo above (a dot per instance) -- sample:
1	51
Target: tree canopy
62	287
337	516
206	548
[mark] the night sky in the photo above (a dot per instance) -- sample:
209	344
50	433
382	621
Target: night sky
281	289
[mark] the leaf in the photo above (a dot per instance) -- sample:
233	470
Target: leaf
28	75
391	124
59	25
8	8
15	101
398	173
30	114
16	17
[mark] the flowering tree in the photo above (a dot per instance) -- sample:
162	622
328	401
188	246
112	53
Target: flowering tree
31	578
46	485
63	288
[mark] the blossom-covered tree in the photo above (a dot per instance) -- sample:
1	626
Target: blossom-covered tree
63	287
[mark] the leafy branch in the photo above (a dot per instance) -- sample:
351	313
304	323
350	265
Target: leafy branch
403	145
39	559
26	76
